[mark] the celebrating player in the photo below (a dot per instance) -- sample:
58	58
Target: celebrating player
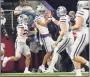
82	29
65	38
20	45
41	24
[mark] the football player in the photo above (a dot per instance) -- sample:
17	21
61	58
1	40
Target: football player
65	38
82	29
41	24
20	44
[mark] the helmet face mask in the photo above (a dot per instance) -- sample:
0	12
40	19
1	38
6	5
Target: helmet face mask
40	9
83	4
61	11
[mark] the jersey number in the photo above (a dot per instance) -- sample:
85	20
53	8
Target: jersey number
87	22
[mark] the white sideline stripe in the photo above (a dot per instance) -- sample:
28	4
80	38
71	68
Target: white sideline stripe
37	75
40	74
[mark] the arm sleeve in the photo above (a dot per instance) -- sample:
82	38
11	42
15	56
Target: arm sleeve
80	13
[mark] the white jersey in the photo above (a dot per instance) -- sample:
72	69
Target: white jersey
42	29
82	34
85	15
3	20
20	38
66	20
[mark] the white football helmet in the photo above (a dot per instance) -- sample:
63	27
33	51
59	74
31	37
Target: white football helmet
40	9
22	19
82	4
61	11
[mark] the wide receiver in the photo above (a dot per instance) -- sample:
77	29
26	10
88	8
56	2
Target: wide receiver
20	44
41	23
65	38
81	27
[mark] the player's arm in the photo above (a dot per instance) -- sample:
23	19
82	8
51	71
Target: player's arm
48	15
79	21
43	23
55	21
63	30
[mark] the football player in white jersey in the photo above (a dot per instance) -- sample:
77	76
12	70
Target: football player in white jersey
65	38
82	29
20	44
41	24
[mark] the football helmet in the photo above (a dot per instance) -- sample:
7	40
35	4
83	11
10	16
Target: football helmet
22	19
83	4
61	10
40	9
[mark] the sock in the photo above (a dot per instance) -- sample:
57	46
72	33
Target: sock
26	68
43	66
87	63
54	60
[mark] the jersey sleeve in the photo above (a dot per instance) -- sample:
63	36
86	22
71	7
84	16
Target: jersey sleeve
80	13
63	19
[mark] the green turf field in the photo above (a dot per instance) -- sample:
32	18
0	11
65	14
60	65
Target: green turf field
61	74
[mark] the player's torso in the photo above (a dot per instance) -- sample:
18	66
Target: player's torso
20	38
42	29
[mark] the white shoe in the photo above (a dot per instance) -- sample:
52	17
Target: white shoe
49	71
27	71
83	69
5	61
55	69
42	68
73	70
78	74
